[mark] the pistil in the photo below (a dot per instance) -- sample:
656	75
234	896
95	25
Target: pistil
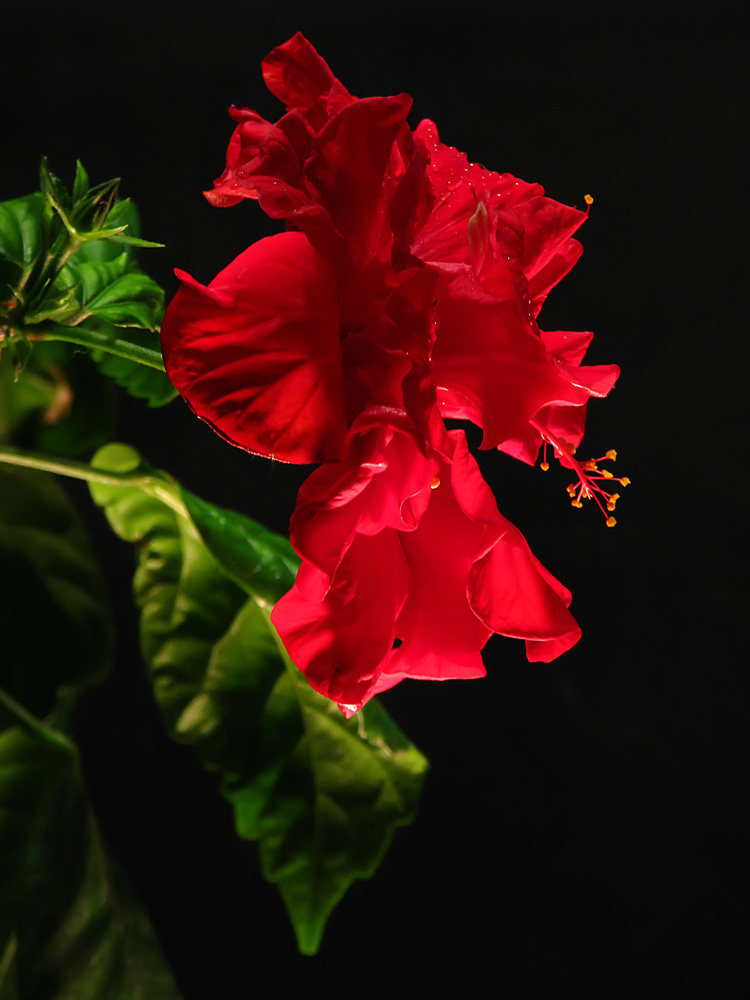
590	475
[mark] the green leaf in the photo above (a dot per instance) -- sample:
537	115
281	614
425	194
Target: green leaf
20	241
93	210
69	927
134	241
66	248
115	313
114	291
60	302
131	300
262	562
130	357
123	213
19	230
320	793
54	615
138	346
140	380
80	184
53	189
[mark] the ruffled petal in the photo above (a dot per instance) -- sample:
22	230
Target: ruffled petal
440	579
384	482
296	74
564	419
508	588
548	252
513	598
256	354
264	161
489	363
441	635
341	639
347	170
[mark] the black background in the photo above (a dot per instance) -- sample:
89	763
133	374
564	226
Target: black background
582	828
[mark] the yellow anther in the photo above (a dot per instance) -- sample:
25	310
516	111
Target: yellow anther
588	199
544	466
434	482
624	481
611	522
607	474
577	503
611	454
610	505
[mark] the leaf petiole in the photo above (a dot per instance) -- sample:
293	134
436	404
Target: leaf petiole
154	486
30	722
92	339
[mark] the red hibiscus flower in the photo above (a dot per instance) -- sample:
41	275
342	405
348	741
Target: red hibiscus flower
408	568
409	278
373	199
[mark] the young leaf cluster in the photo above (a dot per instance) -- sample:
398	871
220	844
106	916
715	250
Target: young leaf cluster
68	273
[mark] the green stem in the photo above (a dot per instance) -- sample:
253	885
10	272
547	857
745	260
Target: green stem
36	726
95	339
153	486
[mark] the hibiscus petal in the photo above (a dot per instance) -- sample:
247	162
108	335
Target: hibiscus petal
508	588
549	253
441	634
264	161
567	418
348	167
296	74
568	346
341	642
384	482
488	361
256	354
513	598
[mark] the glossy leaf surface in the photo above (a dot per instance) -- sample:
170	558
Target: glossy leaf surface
20	241
320	793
